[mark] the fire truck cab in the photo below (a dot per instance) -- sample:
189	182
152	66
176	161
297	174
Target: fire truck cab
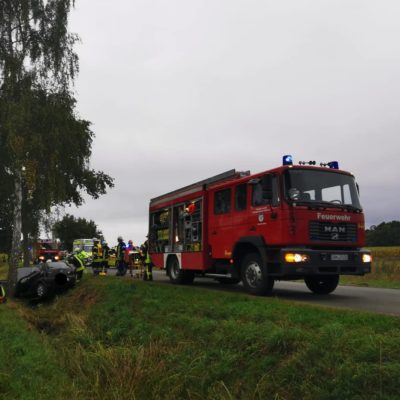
47	249
292	222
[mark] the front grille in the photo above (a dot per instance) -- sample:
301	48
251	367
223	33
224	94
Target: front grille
333	232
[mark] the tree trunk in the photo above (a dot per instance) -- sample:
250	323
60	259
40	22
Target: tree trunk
16	237
25	245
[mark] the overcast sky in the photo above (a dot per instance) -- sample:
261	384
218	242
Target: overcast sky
180	90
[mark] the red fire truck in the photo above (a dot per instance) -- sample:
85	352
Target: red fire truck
292	222
47	249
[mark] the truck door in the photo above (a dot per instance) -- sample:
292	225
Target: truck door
220	223
264	217
240	215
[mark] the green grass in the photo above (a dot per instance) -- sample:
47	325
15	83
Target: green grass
385	270
121	339
29	369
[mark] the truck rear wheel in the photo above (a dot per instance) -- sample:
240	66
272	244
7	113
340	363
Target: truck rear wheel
322	284
254	275
174	272
178	275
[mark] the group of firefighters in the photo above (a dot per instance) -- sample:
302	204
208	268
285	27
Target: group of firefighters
123	259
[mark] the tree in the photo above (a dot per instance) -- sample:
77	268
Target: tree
384	234
44	147
6	214
70	228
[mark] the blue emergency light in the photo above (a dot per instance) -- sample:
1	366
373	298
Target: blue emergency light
333	164
287	160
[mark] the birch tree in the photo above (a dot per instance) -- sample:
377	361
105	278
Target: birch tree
45	146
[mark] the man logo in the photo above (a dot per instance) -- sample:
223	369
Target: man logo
335	236
335	229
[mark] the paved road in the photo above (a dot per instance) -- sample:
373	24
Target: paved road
384	301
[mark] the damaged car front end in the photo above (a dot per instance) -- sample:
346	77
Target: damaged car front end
45	279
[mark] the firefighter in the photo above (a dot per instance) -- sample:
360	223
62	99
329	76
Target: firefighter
97	252
148	265
127	257
119	257
106	253
78	261
3	298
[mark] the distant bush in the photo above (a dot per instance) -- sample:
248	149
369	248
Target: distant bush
384	234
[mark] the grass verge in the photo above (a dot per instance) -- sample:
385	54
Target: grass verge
29	369
121	339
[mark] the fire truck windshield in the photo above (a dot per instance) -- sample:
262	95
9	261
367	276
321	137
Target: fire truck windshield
49	246
321	188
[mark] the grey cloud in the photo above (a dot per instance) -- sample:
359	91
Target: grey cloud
178	91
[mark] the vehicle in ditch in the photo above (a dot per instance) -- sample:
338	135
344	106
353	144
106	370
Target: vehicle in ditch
45	279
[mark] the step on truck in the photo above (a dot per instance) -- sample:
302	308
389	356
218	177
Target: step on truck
292	222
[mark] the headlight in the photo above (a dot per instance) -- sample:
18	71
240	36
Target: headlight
41	258
296	257
366	258
56	258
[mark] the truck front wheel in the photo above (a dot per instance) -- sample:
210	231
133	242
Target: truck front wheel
322	284
254	275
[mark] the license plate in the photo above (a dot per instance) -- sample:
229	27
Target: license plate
339	257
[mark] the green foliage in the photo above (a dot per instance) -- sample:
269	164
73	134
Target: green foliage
124	339
70	228
384	234
35	30
56	148
45	147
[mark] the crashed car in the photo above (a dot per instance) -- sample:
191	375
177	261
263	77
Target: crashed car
45	279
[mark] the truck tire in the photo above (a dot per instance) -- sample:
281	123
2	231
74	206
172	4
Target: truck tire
254	275
174	272
322	284
178	275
